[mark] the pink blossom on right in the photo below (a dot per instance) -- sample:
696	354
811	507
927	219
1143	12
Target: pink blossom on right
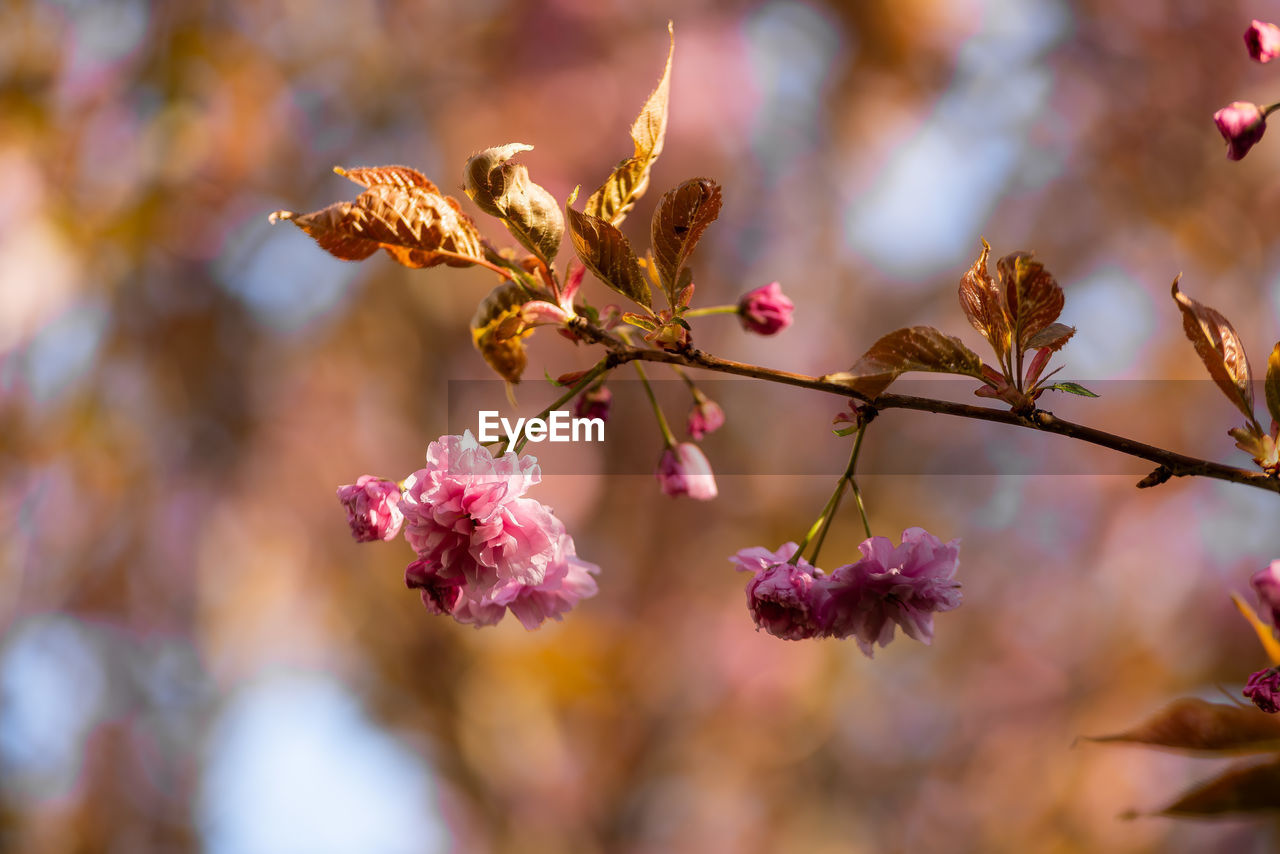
1241	125
684	470
1263	688
1263	41
766	310
903	586
1266	583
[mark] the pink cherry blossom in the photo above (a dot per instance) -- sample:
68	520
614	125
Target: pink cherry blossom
1262	40
1241	125
765	310
482	547
901	586
372	510
783	598
684	470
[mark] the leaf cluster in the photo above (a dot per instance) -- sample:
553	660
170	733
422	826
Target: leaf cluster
1016	313
404	213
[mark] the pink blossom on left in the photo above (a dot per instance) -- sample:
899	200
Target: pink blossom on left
372	508
483	548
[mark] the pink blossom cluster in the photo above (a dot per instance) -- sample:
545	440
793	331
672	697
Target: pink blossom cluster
483	548
891	587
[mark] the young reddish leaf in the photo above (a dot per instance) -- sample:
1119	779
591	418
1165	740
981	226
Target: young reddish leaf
1258	445
1053	336
1220	348
401	212
631	177
915	348
681	217
498	330
1196	725
503	189
1032	298
1273	384
645	322
1241	788
605	251
980	300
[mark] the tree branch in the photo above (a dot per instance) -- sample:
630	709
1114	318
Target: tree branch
1169	463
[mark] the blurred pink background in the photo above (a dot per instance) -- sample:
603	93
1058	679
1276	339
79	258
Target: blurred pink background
194	654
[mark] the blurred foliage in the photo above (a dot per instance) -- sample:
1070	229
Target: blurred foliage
183	387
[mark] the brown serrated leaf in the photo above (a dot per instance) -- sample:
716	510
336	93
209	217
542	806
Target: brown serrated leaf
498	330
980	300
1197	725
503	189
1272	385
396	176
401	212
1053	336
681	217
1219	347
619	193
1240	789
915	348
1032	298
605	251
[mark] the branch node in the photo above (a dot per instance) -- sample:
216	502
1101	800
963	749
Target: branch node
1157	477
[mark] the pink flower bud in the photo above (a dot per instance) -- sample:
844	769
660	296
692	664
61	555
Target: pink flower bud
766	310
594	403
684	470
1241	125
1263	688
1266	583
705	417
1263	41
372	510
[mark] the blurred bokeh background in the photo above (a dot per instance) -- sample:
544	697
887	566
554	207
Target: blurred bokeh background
195	656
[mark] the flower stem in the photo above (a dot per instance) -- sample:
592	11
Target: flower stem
710	310
599	368
823	524
667	435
